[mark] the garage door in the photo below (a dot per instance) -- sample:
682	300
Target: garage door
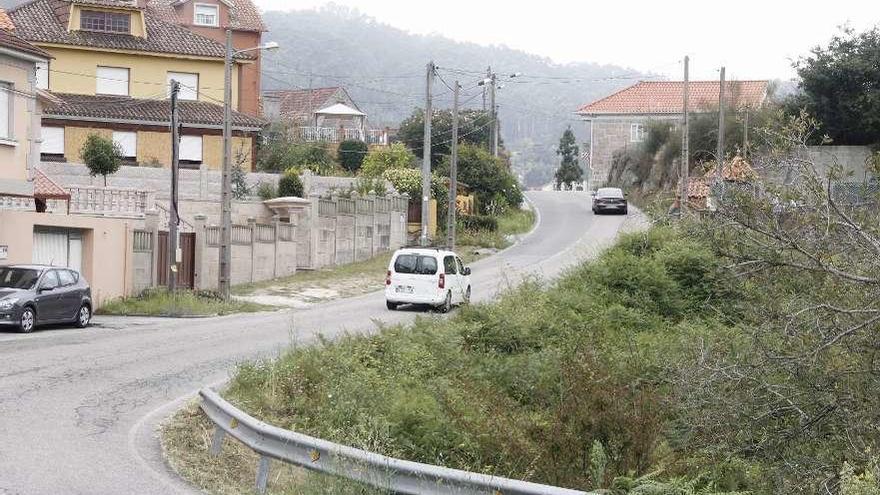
58	247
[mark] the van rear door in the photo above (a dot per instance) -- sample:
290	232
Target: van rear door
415	274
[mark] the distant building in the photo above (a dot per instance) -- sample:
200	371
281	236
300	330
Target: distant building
620	120
327	115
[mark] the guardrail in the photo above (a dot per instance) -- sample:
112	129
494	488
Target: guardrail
395	475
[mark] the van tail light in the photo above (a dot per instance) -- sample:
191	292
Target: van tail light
442	283
388	278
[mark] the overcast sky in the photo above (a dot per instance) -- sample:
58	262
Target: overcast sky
756	39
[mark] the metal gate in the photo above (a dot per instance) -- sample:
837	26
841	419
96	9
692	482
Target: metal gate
186	269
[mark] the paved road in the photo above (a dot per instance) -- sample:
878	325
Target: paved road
79	408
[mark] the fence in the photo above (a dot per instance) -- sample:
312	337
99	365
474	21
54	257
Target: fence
114	201
338	134
395	475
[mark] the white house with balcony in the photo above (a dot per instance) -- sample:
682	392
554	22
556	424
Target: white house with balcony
327	115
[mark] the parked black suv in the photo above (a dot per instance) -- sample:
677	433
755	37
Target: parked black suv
32	295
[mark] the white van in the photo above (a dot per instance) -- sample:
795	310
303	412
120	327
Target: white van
433	277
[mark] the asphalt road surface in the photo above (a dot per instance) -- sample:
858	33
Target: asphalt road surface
79	408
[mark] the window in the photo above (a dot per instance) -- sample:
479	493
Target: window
6	104
415	264
65	277
637	133
449	265
43	75
190	151
50	280
112	81
111	22
189	85
206	15
18	278
127	142
52	148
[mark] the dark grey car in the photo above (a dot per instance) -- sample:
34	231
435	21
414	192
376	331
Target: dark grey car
32	295
609	199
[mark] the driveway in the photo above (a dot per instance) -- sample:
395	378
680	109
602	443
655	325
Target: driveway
79	408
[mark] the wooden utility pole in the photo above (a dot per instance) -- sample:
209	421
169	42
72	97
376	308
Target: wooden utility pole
224	276
719	172
173	216
426	153
453	172
685	152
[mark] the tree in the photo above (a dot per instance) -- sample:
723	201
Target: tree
569	171
351	154
474	128
279	153
409	181
379	160
489	177
101	155
290	184
841	87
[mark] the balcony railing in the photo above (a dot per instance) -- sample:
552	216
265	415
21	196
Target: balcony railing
339	134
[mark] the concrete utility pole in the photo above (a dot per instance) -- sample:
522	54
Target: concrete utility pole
173	216
685	152
453	172
223	282
719	172
426	153
492	84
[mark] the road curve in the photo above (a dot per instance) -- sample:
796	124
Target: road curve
78	408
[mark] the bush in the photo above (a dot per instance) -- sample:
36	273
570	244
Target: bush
281	154
351	154
409	181
478	223
290	184
267	190
380	160
101	155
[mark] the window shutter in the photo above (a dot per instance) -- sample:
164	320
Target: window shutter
189	85
191	148
43	75
53	140
127	141
112	81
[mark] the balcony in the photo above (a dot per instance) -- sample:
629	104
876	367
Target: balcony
339	134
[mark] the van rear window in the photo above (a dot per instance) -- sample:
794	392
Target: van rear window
415	264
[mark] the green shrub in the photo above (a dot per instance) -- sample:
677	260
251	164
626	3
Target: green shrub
351	154
267	190
290	184
478	223
380	160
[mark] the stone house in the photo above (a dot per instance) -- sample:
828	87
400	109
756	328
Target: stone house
620	120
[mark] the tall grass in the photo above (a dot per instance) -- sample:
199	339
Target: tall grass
161	302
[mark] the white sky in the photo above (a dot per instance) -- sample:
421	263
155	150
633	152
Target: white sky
756	39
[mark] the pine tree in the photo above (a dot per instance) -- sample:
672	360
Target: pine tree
569	171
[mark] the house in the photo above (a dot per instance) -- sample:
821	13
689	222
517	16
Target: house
321	115
112	62
620	120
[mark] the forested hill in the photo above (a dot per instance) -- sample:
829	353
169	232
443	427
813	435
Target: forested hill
384	70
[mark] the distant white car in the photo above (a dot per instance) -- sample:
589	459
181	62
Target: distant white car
433	277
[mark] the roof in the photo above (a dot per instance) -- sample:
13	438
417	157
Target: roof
665	97
5	21
302	102
13	42
37	22
46	188
147	111
243	14
340	109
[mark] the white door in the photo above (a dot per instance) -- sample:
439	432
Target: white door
58	247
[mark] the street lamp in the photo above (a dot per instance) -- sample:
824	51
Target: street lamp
224	281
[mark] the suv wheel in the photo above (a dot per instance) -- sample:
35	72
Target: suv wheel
447	304
467	296
28	320
84	316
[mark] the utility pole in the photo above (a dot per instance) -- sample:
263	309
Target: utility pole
746	135
226	186
453	172
492	83
173	217
719	172
426	153
685	152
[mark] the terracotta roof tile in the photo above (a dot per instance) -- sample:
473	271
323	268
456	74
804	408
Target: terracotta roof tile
5	21
13	42
665	97
243	14
37	22
158	112
46	188
300	103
